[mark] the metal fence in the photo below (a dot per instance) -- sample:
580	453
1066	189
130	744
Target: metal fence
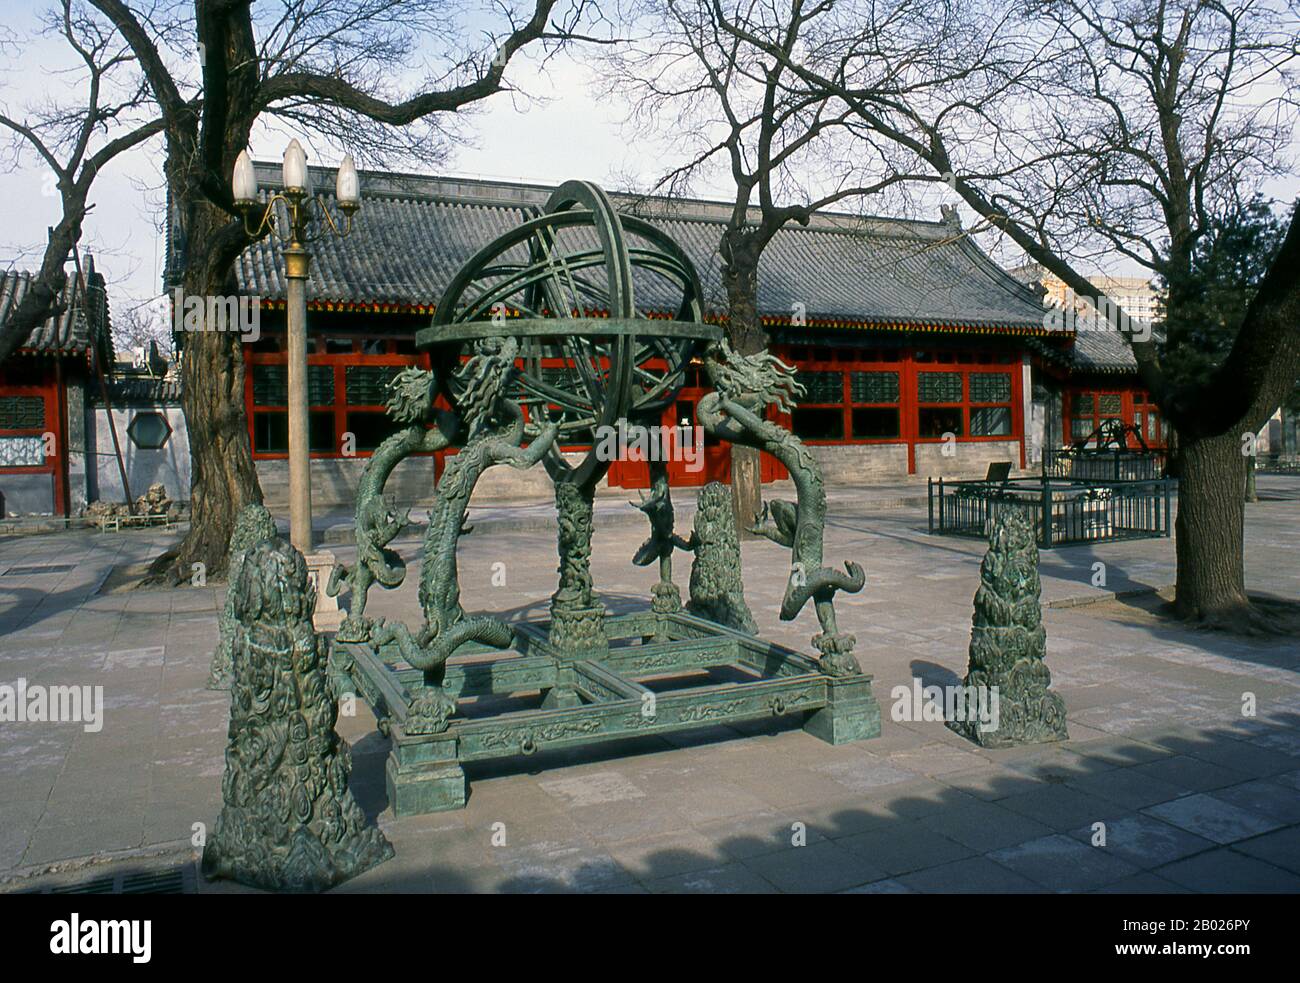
1098	464
1061	511
1277	464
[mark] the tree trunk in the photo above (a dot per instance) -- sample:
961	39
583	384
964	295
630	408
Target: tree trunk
1173	451
1211	582
223	477
746	336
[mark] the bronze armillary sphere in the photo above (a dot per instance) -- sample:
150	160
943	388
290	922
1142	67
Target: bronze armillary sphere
537	342
542	282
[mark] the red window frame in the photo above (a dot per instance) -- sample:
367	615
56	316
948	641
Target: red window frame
339	362
50	398
968	364
1154	435
1132	402
909	362
807	359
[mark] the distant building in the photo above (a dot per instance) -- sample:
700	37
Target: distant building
1136	295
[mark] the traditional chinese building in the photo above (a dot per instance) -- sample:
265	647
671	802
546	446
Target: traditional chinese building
44	388
919	354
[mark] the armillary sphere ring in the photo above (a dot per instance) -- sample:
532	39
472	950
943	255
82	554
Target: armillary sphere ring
601	369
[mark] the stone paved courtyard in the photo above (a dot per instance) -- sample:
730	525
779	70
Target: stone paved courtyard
1193	795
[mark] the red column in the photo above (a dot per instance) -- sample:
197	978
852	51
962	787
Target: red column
907	421
62	500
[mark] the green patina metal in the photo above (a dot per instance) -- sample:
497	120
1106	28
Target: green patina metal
253	524
577	618
717	588
425	772
289	822
1008	644
658	508
376	522
519	327
525	367
746	386
496	431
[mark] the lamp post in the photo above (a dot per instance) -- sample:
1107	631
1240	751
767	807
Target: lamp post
301	206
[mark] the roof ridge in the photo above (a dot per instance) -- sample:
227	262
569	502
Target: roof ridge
849	268
399	186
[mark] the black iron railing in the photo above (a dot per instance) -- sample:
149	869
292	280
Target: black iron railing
1062	511
1278	464
1105	464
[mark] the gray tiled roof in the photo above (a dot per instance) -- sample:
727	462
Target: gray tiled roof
1102	351
69	332
1091	351
413	233
140	390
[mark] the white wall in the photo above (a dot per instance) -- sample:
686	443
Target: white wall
170	464
1034	415
971	460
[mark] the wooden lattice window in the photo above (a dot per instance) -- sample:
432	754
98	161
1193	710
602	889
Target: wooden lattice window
990	404
367	385
22	413
819	414
939	395
873	398
1089	410
271	385
971	402
346	392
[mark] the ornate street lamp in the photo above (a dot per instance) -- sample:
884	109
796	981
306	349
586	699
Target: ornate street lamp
301	206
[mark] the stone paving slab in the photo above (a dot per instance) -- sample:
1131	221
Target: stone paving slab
334	525
1192	795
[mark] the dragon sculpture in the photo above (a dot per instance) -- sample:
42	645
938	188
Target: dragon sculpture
1008	645
717	587
745	385
658	508
377	522
496	430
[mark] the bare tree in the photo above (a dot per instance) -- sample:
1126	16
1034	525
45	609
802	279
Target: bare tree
1096	128
357	70
138	326
736	108
74	140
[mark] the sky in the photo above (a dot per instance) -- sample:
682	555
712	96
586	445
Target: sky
530	140
563	131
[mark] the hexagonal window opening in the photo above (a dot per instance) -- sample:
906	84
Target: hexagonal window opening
149	431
